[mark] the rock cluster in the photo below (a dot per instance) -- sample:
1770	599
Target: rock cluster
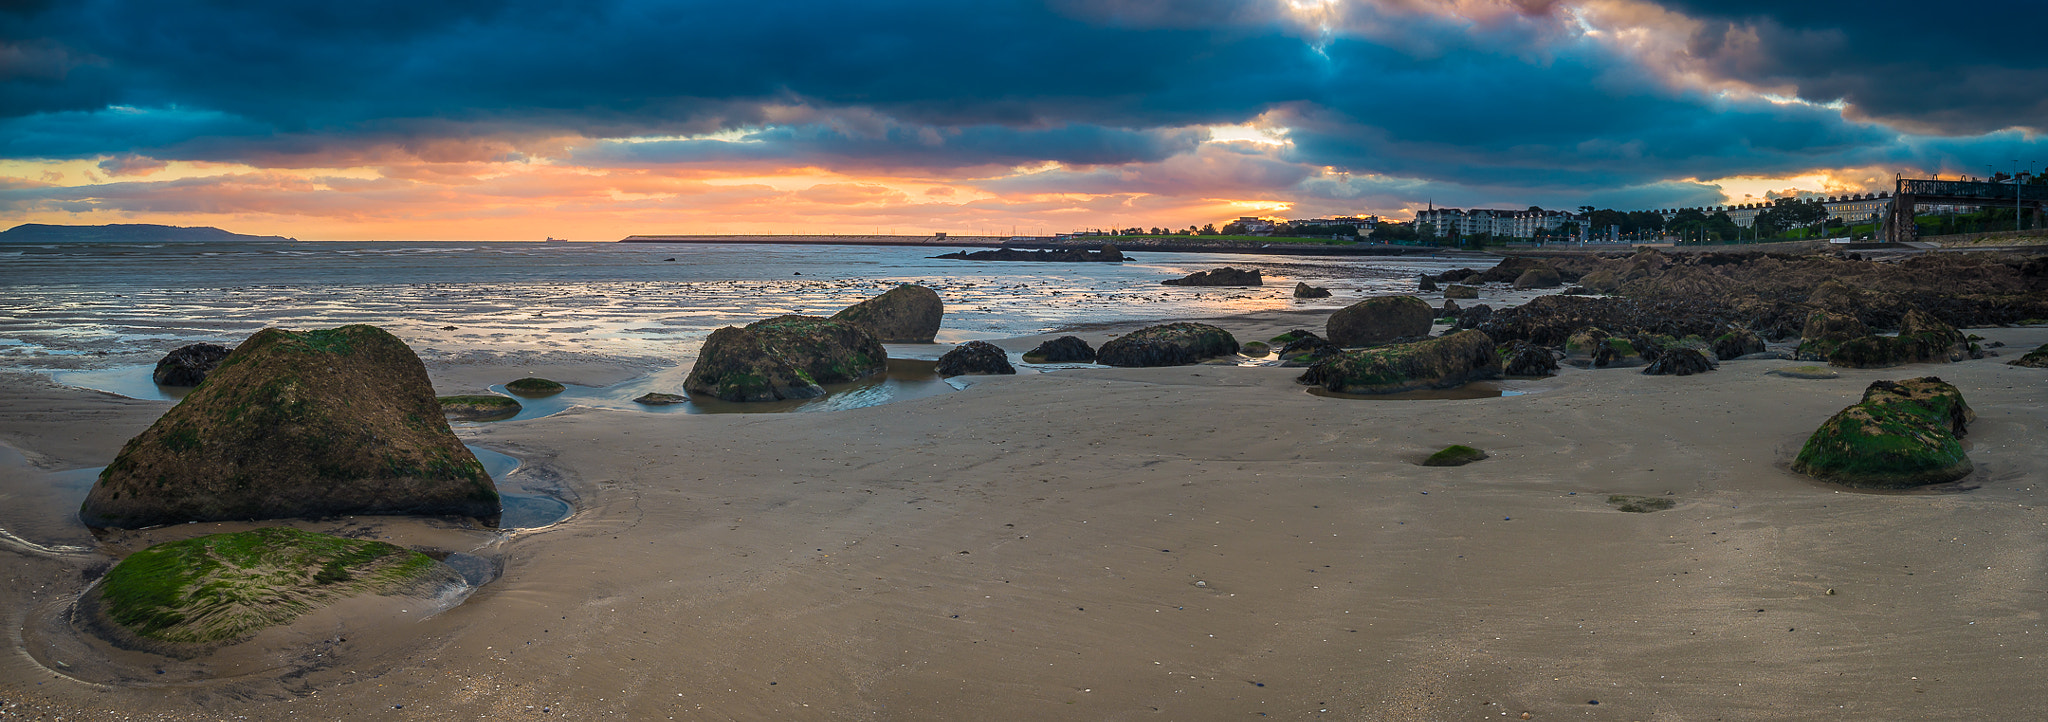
1438	363
786	357
1521	358
1108	254
905	314
298	424
975	357
188	365
1225	276
1173	344
1902	434
2037	358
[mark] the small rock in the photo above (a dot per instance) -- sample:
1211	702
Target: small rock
660	399
534	388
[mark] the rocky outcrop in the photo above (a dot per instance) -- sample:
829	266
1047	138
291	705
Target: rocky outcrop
1601	282
188	365
905	314
217	589
1108	254
1438	363
975	357
1541	277
1511	269
1737	343
1173	344
297	424
1679	362
1225	276
1458	291
1380	319
656	398
786	357
534	388
1303	290
1902	434
1521	358
2037	358
1062	350
478	408
1922	339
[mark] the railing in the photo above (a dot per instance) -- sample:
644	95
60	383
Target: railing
1971	189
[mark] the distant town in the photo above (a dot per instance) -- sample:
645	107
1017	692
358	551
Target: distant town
1855	216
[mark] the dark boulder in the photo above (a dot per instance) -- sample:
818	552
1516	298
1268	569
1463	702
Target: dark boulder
534	388
1824	331
1062	350
1737	343
1108	254
1922	339
1473	317
188	365
905	314
1521	358
1425	284
1450	309
786	357
1679	362
1455	455
1902	434
1303	290
2037	358
975	357
1438	363
1541	277
1601	282
1173	344
1302	342
1380	319
1457	291
1510	269
1255	349
298	424
1220	277
656	398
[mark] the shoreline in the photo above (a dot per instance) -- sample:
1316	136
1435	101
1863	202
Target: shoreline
1132	244
1031	547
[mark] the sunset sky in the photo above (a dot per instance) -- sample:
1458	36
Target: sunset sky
595	119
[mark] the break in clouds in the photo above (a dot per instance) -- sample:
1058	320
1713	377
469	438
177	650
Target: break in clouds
1372	106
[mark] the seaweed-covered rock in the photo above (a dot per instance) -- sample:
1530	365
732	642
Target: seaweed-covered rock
2037	358
1640	504
1108	254
1438	363
1922	339
1302	343
1679	362
1062	350
1602	281
1220	277
786	357
1458	291
1824	331
1521	358
1303	290
298	424
1379	320
1540	277
1737	343
223	588
1510	269
1255	349
1472	317
478	408
188	365
1173	344
656	398
905	314
1454	455
534	388
1902	434
975	357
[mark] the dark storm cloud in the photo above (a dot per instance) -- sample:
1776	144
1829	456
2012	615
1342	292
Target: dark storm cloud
910	146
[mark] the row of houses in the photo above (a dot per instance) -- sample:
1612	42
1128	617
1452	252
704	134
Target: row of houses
1852	208
1254	226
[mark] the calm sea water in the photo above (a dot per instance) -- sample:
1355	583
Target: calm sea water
81	306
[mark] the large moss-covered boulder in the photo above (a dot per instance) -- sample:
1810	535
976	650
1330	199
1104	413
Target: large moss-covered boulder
1601	281
905	314
1173	344
1679	362
1062	350
188	365
1902	434
1380	319
222	588
298	424
1438	363
786	357
1458	291
975	357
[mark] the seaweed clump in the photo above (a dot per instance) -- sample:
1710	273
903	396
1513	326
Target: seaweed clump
1454	455
1902	434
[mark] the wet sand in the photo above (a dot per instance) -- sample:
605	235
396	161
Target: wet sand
1202	542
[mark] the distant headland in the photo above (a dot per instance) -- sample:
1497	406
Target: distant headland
123	232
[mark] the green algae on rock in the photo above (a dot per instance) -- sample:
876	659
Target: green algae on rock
479	407
1171	344
297	424
1824	331
1454	455
1255	349
1902	434
905	314
786	357
222	588
534	388
1438	363
1922	339
1806	372
2037	358
1639	504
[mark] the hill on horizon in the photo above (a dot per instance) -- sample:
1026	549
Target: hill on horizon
124	232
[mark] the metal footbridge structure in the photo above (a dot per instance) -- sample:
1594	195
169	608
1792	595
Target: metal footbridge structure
1898	223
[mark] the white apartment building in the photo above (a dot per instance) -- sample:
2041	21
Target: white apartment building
1852	208
1445	222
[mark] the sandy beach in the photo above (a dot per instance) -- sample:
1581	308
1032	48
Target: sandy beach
1199	542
